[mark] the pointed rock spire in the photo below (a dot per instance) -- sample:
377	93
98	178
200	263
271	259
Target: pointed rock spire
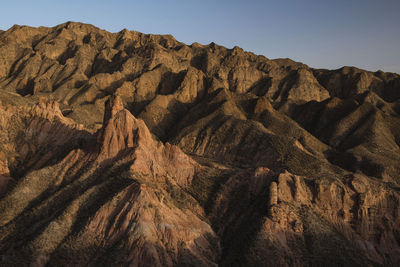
113	105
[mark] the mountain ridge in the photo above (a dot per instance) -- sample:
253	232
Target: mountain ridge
133	149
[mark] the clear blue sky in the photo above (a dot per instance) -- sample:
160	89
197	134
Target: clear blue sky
322	34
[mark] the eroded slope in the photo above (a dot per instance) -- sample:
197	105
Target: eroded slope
132	149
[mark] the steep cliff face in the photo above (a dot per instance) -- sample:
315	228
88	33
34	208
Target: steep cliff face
133	149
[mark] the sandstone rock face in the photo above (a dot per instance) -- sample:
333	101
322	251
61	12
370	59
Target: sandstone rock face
122	132
131	149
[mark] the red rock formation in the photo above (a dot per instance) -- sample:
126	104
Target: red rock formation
122	131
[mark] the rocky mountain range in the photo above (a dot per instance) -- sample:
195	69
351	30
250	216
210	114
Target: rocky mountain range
131	149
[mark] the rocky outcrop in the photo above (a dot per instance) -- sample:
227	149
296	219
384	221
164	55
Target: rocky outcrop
122	131
301	218
356	209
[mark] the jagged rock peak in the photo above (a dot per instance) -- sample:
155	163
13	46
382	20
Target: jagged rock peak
121	130
122	134
112	106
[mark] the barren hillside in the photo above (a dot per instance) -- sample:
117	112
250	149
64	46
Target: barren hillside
131	149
